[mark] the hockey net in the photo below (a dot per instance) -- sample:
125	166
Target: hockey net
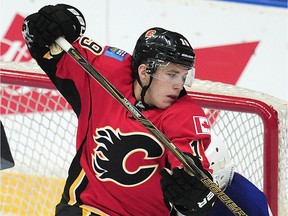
41	128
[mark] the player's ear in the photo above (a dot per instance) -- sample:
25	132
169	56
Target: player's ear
142	72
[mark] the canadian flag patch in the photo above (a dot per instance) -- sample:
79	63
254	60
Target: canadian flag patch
202	125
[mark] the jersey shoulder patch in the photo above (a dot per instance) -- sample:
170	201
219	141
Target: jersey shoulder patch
115	53
202	125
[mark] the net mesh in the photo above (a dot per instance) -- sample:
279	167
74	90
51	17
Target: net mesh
41	141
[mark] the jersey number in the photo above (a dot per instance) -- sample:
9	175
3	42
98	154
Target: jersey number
89	44
196	151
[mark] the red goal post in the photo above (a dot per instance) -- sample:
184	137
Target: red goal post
41	129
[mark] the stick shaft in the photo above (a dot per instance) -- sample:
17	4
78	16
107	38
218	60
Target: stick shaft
187	162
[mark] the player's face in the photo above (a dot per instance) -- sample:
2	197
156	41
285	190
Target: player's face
166	85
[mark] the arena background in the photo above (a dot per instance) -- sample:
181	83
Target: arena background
242	42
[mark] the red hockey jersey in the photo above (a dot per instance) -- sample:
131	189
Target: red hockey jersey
116	168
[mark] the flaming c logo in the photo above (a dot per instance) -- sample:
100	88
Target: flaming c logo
127	159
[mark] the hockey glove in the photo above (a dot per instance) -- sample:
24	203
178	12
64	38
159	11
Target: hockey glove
186	193
51	22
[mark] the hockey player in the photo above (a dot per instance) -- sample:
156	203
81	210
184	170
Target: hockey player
119	167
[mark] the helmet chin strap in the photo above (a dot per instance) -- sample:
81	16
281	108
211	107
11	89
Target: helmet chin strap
142	104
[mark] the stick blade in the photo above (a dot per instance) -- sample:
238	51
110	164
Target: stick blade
6	156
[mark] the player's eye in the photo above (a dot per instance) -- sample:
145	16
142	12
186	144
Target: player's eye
172	75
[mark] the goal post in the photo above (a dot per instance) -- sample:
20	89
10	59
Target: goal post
41	128
263	120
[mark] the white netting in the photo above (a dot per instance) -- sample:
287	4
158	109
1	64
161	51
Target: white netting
244	135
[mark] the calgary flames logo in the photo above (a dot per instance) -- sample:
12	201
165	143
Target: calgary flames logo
126	159
150	33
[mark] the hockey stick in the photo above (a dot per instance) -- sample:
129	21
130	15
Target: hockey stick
187	162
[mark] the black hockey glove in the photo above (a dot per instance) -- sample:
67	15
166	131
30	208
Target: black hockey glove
51	22
186	193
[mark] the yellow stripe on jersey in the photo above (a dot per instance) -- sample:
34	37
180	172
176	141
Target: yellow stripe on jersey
74	186
87	210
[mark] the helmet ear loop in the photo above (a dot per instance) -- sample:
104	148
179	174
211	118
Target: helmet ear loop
143	92
139	81
151	68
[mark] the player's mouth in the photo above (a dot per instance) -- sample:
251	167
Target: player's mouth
172	97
